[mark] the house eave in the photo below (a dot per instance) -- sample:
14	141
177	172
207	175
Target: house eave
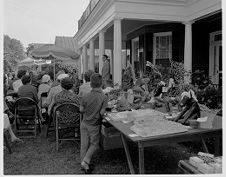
175	11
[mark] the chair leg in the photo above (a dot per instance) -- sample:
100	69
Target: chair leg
16	126
35	131
57	138
39	116
47	128
7	143
39	125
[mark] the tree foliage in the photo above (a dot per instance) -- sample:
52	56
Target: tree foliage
29	49
13	52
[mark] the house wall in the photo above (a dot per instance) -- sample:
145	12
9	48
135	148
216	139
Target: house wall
146	40
200	41
201	30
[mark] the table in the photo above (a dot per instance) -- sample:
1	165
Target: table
191	135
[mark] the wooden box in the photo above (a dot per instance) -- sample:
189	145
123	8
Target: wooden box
111	138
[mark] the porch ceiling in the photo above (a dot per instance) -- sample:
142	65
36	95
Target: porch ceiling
127	27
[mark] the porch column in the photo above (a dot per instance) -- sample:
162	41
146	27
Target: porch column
92	55
101	49
80	64
111	61
117	71
188	50
84	59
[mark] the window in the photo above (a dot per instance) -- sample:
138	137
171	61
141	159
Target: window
135	55
215	57
162	48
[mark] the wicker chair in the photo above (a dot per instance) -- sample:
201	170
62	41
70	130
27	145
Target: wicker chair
67	117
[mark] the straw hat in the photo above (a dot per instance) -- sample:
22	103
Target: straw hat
45	78
62	76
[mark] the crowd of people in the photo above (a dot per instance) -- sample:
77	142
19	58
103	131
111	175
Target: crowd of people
91	97
65	88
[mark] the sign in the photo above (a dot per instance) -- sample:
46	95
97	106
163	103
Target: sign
42	62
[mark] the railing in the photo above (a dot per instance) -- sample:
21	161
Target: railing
87	12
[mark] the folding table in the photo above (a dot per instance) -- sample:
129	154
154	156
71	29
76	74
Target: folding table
190	135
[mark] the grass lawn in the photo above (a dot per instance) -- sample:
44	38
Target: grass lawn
39	156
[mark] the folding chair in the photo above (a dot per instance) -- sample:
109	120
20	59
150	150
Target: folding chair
67	117
27	117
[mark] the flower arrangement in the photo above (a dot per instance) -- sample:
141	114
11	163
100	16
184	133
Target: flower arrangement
201	84
127	80
175	68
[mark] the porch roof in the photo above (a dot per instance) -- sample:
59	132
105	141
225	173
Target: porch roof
101	16
66	42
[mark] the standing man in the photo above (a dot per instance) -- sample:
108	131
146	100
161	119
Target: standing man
105	69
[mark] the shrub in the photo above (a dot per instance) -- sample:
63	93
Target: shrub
127	80
200	80
210	96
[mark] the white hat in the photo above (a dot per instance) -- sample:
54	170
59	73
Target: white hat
162	83
189	94
45	78
62	76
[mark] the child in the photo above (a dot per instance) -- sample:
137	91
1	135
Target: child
191	108
92	106
157	96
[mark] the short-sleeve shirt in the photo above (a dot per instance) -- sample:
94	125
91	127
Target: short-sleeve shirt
42	88
50	99
28	91
84	89
93	102
17	84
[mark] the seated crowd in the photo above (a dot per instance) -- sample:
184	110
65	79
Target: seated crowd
92	99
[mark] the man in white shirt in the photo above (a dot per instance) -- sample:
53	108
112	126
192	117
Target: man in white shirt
85	87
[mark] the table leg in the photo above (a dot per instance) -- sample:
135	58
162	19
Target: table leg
141	158
205	146
217	146
131	168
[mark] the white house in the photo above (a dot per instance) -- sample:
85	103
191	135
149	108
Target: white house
153	30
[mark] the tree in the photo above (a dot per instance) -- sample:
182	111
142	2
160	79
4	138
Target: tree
13	51
29	49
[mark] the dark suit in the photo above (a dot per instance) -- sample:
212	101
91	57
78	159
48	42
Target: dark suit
106	70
